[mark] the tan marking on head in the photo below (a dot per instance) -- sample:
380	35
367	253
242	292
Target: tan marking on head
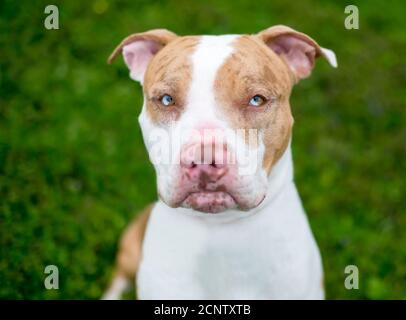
170	72
254	69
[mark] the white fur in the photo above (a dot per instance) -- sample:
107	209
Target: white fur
330	56
209	56
267	253
118	286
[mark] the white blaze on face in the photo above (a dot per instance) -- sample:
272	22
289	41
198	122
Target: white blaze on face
210	55
202	109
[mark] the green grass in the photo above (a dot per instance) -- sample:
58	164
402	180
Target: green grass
73	169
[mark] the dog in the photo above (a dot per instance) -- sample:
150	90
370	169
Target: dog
228	224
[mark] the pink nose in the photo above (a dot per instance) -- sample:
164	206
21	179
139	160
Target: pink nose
206	162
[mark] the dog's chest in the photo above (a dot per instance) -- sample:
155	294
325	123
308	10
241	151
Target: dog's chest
269	255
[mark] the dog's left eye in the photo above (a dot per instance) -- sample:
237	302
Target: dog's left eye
257	101
166	100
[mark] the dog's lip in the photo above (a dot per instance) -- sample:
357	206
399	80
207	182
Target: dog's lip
217	201
206	192
209	192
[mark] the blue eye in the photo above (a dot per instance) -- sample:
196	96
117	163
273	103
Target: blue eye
166	100
257	101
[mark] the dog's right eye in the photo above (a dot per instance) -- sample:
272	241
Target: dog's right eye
257	101
166	100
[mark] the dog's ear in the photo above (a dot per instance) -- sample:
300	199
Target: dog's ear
297	49
139	48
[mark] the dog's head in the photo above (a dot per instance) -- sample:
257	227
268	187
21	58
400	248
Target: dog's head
216	116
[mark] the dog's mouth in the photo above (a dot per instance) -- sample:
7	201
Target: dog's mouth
210	201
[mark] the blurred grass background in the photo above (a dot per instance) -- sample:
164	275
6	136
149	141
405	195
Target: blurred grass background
73	169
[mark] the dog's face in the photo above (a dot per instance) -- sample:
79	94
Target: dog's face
216	116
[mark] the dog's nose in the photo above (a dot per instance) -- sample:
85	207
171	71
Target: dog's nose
206	162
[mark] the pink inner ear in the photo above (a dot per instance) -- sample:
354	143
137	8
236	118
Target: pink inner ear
137	56
298	54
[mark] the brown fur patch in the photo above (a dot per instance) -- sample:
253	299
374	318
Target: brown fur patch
129	254
169	72
254	69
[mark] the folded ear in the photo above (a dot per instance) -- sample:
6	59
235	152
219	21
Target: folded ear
139	48
297	49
